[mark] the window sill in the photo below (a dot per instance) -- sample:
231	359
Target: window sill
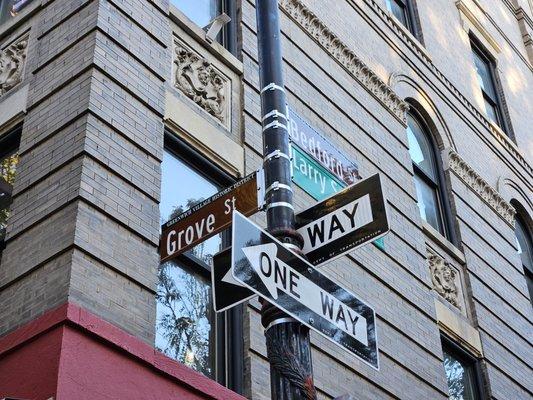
197	33
9	27
443	243
412	38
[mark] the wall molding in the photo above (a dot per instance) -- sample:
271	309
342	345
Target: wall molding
470	21
475	182
495	131
333	45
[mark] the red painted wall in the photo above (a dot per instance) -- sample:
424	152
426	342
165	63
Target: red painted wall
30	371
71	354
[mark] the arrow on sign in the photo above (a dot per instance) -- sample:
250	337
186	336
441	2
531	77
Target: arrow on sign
277	275
268	268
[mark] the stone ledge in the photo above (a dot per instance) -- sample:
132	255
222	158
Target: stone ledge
204	136
456	326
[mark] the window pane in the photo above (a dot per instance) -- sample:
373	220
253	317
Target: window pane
185	320
492	112
420	148
201	12
525	247
428	204
460	377
398	10
10	8
181	188
484	75
8	166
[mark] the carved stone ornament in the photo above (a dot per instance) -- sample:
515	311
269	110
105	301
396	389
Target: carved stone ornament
201	82
472	179
444	278
344	56
12	61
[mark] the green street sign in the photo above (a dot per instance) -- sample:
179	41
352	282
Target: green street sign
312	177
316	180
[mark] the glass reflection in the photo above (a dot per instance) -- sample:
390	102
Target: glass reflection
420	148
184	314
428	203
460	379
201	12
8	167
181	188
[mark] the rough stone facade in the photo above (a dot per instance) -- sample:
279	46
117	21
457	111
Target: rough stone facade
96	82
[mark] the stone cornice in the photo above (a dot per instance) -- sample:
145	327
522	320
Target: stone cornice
315	28
497	133
475	182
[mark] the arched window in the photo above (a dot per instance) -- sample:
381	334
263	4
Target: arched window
427	173
525	249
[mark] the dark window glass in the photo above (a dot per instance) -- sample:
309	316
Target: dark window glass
485	70
10	8
403	11
460	374
426	174
185	327
525	249
201	12
8	166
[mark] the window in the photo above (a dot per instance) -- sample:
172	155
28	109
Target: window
10	8
8	164
525	249
486	74
187	328
202	12
461	372
403	10
427	174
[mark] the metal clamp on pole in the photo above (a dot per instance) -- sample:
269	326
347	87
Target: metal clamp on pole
277	186
272	86
276	114
276	125
276	154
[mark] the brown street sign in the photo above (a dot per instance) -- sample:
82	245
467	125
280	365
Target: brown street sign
209	217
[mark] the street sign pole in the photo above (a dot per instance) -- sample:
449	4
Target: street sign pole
288	343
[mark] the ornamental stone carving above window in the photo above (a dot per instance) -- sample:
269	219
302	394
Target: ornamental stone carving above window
12	61
445	279
201	82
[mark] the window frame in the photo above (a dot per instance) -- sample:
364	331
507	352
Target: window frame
9	143
410	17
465	356
479	50
228	35
445	213
229	371
528	270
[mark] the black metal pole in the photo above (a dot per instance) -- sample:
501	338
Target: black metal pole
288	344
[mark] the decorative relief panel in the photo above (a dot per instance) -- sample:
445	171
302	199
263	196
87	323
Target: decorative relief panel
12	61
446	279
471	178
346	57
201	82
